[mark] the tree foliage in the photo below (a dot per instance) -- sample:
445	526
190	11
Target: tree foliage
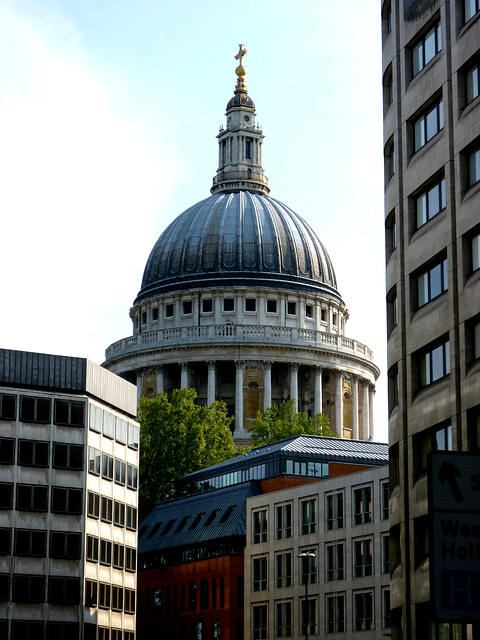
283	421
178	437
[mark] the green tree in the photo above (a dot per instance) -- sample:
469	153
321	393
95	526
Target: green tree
178	437
283	421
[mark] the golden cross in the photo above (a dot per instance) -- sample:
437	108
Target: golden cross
241	52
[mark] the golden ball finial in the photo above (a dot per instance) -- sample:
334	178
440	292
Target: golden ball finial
240	70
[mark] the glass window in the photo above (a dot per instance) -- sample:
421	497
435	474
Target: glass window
132	477
30	543
308	516
308	311
362	499
283	514
33	453
259	526
427	48
259	573
229	304
120	470
250	304
385	496
283	619
471	7
335	510
92	548
107	466
68	456
292	308
35	409
187	307
8	404
386	554
472	78
362	558
386	613
432	283
133	436
7	450
96	418
474	168
335	605
94	460
65	545
308	566
259	622
283	570
207	305
363	611
67	500
93	505
308	617
32	497
431	202
428	125
121	431
434	364
69	413
169	310
335	561
271	306
108	425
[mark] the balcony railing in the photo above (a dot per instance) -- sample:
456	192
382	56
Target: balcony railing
238	334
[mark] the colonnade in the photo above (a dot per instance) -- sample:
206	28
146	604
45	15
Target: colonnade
358	385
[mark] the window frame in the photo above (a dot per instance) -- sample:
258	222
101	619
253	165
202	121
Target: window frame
283	569
335	561
433	363
363	622
308	516
260	526
428	124
259	573
335	615
424	202
362	504
420	44
431	282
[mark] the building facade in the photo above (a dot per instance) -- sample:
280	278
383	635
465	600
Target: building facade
317	560
68	499
239	300
192	581
431	53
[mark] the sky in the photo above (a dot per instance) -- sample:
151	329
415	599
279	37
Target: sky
108	115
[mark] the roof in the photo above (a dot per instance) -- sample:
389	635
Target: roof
239	239
322	448
197	519
43	371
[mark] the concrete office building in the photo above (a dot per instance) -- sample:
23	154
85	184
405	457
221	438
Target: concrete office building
239	300
68	499
431	55
332	535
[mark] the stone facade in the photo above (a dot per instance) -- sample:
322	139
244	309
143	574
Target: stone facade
239	300
432	221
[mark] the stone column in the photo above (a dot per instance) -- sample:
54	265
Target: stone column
267	384
184	375
139	386
211	382
366	409
355	407
370	411
339	403
160	379
317	393
294	383
239	428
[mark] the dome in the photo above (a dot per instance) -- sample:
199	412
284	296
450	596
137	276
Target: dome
240	100
239	238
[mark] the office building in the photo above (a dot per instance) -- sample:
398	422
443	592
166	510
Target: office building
431	54
68	499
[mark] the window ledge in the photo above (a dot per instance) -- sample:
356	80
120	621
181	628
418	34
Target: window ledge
426	68
432	389
471	191
473	367
431	305
425	228
426	147
470	107
469	24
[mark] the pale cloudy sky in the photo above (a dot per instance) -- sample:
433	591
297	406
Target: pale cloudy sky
108	115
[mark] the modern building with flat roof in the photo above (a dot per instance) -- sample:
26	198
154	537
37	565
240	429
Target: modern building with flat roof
68	499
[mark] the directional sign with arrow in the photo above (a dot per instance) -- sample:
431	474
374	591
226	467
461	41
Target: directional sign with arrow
454	510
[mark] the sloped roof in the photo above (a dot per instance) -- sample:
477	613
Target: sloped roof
319	447
195	514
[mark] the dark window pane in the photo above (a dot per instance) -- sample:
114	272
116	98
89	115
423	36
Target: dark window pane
61	411
7	450
43	410
76	414
60	455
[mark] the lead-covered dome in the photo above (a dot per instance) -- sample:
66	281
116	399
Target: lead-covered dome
239	238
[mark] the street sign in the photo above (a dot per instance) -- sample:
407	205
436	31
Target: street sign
454	510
